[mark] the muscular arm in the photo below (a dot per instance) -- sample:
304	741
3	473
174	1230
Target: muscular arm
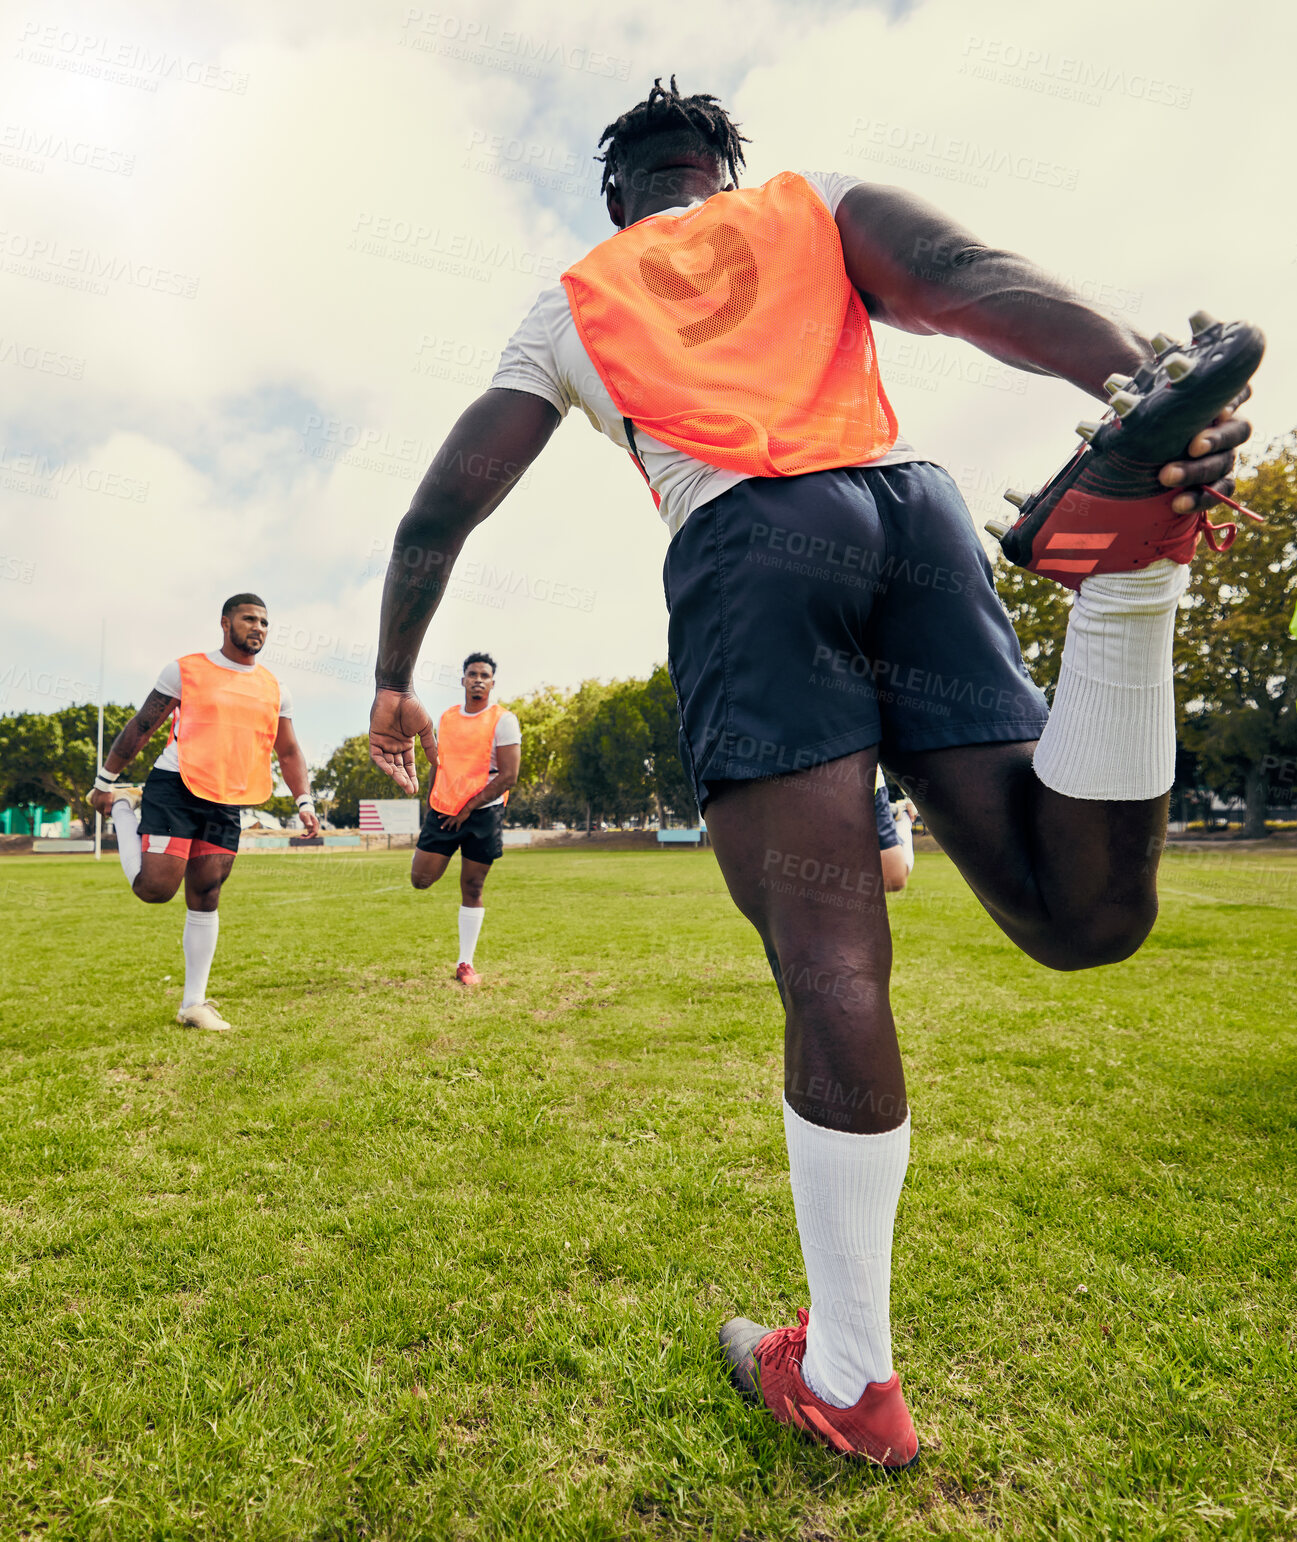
489	448
292	763
919	270
127	745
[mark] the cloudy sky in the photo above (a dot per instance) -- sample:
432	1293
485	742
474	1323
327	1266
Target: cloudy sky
255	260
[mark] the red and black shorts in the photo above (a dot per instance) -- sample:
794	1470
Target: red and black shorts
178	823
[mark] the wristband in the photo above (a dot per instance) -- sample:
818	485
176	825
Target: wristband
303	798
105	780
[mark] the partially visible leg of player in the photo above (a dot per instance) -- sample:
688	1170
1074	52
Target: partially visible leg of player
126	825
472	912
160	875
800	856
205	875
1072	881
1060	840
428	866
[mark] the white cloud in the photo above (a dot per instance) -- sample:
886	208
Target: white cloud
358	251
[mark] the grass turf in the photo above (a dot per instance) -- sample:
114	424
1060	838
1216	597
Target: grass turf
400	1261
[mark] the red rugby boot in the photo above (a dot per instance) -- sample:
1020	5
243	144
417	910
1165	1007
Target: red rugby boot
766	1366
1106	511
467	975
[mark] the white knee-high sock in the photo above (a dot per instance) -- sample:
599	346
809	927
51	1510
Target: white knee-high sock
905	829
470	929
845	1189
1111	730
127	828
201	930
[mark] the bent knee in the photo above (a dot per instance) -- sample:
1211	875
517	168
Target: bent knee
423	880
1100	940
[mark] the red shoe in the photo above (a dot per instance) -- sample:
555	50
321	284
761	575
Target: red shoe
467	975
766	1366
1106	511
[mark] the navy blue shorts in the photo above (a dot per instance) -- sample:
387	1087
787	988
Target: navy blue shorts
814	616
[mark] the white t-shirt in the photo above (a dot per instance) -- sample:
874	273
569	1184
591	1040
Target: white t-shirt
507	731
168	682
547	358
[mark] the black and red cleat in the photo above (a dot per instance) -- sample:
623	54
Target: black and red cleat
1106	511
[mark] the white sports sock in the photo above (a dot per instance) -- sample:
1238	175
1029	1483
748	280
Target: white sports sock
845	1189
201	929
470	929
905	829
1111	731
127	829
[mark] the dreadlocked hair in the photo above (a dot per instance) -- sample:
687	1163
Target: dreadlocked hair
699	122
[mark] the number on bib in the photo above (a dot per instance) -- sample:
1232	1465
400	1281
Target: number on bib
660	268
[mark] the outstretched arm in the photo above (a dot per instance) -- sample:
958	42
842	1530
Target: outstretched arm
919	270
489	448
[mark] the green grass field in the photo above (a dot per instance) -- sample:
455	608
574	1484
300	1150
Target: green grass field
397	1261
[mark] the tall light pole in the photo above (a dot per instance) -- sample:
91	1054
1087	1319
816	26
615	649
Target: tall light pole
99	818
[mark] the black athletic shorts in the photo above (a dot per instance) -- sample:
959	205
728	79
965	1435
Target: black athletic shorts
176	821
814	616
479	838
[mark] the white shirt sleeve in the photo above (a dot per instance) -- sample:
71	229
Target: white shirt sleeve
285	701
168	681
508	730
529	361
832	186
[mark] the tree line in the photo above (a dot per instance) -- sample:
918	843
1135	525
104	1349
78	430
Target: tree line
606	752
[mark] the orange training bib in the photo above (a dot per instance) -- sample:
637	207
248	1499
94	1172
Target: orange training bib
733	333
464	746
224	731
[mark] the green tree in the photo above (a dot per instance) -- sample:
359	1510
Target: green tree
1038	608
581	780
616	746
538	798
50	758
671	787
1234	655
349	775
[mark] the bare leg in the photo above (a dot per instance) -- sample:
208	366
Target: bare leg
1071	881
159	877
204	878
427	868
472	882
800	856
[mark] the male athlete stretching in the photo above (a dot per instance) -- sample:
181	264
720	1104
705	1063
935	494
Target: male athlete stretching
230	712
475	761
723	338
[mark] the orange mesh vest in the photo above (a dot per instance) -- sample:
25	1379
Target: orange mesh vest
733	333
463	757
224	730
